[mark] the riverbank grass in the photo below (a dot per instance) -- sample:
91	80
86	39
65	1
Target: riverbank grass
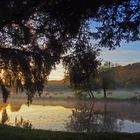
14	133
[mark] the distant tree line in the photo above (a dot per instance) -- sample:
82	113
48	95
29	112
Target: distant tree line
109	76
127	76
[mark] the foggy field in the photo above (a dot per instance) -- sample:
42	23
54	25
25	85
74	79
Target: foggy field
58	90
120	94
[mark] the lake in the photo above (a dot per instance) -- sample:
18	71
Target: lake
73	116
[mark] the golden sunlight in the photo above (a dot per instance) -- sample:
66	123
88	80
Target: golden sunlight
57	74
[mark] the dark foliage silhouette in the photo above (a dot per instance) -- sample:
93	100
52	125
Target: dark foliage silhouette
35	34
86	118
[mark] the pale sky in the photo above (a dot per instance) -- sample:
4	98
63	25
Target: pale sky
127	53
57	74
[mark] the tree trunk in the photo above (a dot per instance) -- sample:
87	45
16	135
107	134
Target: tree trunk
5	93
105	93
92	94
89	94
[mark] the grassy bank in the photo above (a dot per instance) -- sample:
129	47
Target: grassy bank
12	133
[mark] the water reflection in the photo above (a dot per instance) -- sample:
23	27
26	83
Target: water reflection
23	123
19	122
5	117
35	116
75	116
87	118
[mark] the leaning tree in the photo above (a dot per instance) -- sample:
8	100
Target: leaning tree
36	34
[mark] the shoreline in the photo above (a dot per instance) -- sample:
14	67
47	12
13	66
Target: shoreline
14	133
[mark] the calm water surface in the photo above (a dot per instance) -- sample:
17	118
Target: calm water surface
74	116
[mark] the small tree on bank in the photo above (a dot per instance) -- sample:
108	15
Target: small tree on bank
106	75
82	65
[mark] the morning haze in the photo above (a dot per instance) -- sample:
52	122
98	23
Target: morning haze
69	70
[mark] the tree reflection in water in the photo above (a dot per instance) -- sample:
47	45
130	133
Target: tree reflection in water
87	118
23	123
5	117
18	122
